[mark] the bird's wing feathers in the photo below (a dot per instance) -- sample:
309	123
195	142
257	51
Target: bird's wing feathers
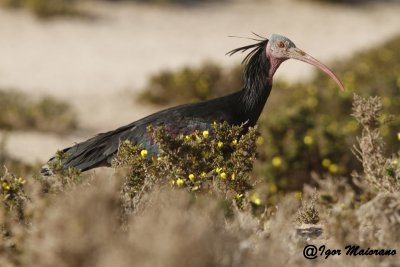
100	149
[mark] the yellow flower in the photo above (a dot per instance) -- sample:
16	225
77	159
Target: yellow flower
276	161
179	182
6	186
143	153
233	176
333	168
255	199
220	144
187	138
308	140
234	142
273	188
205	134
191	177
298	195
326	163
223	176
203	174
215	123
260	140
218	170
159	158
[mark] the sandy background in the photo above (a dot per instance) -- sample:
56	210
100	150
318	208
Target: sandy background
99	64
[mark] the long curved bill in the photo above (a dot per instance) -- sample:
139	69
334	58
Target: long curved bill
299	54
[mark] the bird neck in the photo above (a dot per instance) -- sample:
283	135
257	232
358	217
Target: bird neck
257	87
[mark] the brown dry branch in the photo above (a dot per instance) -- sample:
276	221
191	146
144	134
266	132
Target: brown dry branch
371	147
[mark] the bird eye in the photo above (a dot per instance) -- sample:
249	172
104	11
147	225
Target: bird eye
281	45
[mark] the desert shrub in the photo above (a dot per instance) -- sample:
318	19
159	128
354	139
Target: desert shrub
44	8
216	161
16	166
382	173
190	84
342	1
19	112
183	223
306	126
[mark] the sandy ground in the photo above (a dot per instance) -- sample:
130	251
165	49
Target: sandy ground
98	64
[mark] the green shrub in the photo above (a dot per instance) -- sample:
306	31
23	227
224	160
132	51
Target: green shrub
44	8
306	126
19	112
215	162
178	221
190	84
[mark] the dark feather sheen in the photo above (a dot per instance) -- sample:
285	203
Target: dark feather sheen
241	107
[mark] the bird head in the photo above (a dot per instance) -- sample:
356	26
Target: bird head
280	48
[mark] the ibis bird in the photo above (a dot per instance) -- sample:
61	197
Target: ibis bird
241	107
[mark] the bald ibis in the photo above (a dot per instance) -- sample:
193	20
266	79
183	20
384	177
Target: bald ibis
244	106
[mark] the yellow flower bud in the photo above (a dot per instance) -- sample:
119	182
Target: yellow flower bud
260	140
223	176
308	140
218	170
203	174
333	168
6	186
298	195
205	134
191	177
234	142
273	188
326	163
255	199
220	144
276	161
179	182
143	153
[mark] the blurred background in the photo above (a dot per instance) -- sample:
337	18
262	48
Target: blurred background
71	69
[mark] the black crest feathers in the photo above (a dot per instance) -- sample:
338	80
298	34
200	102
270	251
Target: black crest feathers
256	47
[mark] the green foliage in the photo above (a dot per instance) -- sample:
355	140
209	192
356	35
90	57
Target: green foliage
190	84
216	161
308	213
61	179
18	112
44	8
12	191
189	226
307	126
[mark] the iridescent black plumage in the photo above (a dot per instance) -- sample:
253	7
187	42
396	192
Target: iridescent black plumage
244	106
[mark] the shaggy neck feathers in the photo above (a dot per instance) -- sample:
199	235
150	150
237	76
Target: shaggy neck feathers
257	81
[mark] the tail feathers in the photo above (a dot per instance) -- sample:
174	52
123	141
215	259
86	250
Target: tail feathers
95	152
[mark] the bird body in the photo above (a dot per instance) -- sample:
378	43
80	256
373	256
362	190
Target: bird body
241	107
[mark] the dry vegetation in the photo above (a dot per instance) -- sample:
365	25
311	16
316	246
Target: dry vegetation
174	219
20	112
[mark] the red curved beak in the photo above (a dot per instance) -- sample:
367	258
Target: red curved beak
299	54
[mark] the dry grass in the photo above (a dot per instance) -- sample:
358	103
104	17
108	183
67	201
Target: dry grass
84	222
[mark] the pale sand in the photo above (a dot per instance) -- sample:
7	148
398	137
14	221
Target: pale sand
93	64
